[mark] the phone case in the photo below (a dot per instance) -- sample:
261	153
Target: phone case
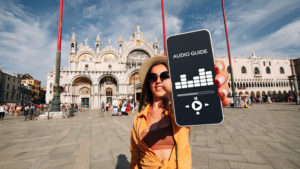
191	66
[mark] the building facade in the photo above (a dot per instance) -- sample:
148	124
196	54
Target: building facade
35	85
9	88
97	75
295	78
258	76
26	94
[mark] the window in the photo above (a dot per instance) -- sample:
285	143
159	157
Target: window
6	95
244	70
264	63
7	86
269	63
268	71
108	92
228	69
86	67
72	47
281	70
8	78
109	66
256	71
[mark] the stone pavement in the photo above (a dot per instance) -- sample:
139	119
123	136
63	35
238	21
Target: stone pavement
262	137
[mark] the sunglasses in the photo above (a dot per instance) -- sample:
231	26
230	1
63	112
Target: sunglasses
152	77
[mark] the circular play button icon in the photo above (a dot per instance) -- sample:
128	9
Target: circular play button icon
197	105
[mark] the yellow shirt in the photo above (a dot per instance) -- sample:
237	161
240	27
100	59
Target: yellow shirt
143	157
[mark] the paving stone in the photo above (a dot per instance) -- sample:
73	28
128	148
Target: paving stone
218	164
16	165
230	157
252	156
231	149
103	165
279	164
200	160
239	165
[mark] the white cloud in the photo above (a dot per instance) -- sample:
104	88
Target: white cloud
255	25
26	43
75	2
114	17
277	43
90	12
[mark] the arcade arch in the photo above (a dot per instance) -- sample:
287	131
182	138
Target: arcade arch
135	85
108	88
81	91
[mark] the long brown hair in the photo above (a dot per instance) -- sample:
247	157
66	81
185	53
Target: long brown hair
147	95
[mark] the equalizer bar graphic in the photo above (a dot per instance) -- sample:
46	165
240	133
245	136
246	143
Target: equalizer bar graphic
205	78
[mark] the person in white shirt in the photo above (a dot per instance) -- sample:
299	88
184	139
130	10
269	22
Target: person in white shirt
26	111
2	111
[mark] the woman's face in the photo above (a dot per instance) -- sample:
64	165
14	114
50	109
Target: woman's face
156	86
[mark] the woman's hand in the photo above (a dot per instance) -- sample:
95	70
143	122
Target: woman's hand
221	81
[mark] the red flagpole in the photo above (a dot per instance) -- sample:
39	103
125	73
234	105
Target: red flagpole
164	29
228	50
60	26
55	105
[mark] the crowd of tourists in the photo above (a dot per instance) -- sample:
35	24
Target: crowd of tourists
30	111
118	107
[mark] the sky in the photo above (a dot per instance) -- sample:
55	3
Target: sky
28	28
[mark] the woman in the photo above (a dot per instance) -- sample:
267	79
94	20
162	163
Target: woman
156	141
128	107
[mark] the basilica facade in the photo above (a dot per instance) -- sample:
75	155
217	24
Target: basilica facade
97	75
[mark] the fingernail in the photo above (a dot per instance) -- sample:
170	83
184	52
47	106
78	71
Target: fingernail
220	67
220	80
225	92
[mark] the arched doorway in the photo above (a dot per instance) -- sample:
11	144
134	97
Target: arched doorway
135	86
257	94
108	87
109	94
81	91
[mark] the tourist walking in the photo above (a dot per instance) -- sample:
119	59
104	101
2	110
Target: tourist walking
26	111
156	140
115	107
2	111
106	106
128	108
31	112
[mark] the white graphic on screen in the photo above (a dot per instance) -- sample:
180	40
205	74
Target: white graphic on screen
205	78
196	105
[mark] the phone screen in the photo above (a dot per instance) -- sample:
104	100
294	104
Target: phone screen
191	61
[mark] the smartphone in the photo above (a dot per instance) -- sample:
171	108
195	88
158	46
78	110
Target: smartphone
191	67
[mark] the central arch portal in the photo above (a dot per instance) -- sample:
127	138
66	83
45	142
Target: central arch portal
108	87
82	89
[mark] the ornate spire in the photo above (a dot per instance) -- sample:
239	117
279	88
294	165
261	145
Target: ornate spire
253	54
120	38
155	40
138	28
85	41
73	37
98	38
109	42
